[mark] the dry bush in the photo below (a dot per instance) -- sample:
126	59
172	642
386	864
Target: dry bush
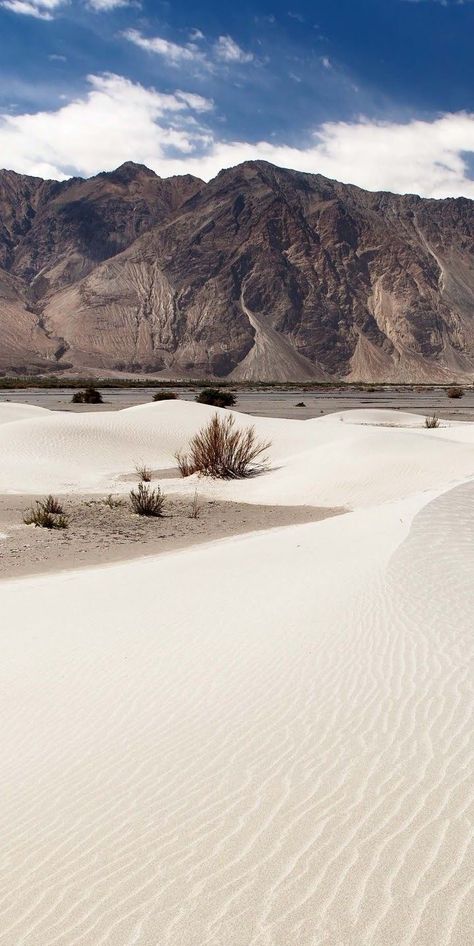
165	396
52	505
432	422
90	395
46	513
146	501
455	391
144	473
223	451
216	397
195	507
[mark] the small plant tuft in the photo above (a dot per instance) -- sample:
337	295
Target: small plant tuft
432	422
216	397
165	396
223	451
113	502
146	501
46	513
455	391
195	507
144	473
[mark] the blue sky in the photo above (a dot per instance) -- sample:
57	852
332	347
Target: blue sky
377	92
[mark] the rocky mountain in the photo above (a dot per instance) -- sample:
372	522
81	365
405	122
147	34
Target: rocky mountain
263	273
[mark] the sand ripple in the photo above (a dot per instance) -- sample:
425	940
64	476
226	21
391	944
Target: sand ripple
296	771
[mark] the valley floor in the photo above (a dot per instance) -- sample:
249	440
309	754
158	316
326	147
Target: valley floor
271	402
261	741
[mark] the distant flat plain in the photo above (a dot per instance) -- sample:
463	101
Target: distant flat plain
271	402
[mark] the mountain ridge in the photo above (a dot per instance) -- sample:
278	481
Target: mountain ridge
262	273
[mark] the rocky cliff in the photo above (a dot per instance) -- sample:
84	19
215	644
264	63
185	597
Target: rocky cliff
261	274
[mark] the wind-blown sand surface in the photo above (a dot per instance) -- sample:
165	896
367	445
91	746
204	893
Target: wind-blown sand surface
266	741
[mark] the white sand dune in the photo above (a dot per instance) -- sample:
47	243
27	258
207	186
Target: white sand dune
9	413
267	741
328	461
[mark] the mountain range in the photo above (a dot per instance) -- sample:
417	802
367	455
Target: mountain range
261	274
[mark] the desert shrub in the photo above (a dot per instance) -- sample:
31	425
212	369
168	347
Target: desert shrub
90	395
165	396
195	507
455	391
432	422
52	505
146	501
46	513
216	397
223	451
144	473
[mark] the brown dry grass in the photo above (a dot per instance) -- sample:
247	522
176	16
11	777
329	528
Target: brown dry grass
223	451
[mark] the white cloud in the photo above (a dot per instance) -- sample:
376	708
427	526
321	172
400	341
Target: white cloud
116	121
102	6
172	52
227	50
40	9
425	158
46	9
195	34
119	120
224	50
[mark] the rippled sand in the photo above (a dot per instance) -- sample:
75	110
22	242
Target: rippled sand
262	742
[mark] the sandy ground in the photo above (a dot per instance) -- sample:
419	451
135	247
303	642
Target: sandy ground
261	741
98	534
273	403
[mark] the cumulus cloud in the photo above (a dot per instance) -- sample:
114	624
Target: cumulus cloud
116	121
119	120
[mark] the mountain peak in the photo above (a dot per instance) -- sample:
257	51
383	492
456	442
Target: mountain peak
264	273
127	172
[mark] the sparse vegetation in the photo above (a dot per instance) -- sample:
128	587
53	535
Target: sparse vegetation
432	422
165	396
90	395
113	502
223	451
144	473
47	513
146	501
195	507
216	397
455	391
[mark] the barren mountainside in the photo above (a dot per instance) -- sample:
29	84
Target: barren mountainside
263	273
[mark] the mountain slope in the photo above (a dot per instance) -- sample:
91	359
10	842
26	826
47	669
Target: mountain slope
262	274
